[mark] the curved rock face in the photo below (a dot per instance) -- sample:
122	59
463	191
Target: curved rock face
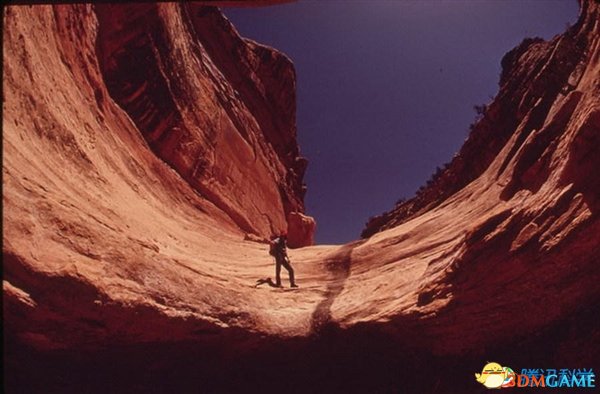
301	230
233	136
536	75
142	143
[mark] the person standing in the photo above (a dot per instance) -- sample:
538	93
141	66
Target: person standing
278	249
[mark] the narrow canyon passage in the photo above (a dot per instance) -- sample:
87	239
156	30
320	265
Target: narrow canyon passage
136	204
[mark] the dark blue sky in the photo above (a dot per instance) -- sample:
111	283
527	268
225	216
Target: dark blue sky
386	89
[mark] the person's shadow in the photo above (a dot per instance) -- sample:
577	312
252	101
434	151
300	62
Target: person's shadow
268	281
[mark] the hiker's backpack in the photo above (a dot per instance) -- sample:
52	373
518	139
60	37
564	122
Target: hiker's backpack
274	247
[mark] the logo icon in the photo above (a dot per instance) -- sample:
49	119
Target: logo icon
510	377
494	376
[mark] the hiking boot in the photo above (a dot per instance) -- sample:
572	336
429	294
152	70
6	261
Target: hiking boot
293	285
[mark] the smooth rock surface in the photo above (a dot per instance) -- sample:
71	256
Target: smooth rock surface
142	142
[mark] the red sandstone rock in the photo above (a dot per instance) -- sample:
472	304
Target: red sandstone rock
140	142
301	230
536	74
233	136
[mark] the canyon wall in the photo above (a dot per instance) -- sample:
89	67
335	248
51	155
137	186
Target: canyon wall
535	76
218	109
514	215
148	149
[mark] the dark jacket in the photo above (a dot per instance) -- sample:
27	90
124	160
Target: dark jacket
279	247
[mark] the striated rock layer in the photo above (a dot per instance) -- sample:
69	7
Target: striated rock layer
215	107
536	75
147	147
